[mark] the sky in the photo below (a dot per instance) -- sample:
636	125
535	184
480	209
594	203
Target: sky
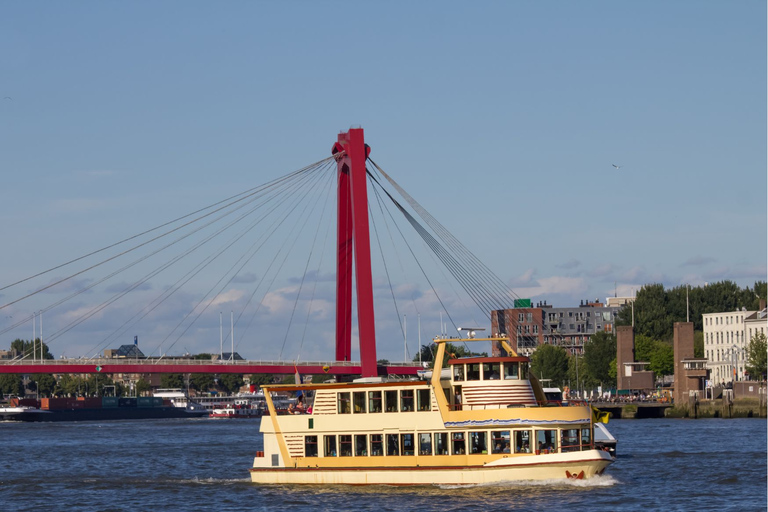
503	119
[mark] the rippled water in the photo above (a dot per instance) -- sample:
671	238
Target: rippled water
696	465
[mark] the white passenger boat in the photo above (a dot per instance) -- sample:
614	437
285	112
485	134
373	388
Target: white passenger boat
487	423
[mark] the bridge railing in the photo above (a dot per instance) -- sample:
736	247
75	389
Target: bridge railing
102	361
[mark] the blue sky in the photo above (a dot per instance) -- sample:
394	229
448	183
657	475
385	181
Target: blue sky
502	118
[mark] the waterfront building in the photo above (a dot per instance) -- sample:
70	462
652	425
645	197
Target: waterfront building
543	324
726	336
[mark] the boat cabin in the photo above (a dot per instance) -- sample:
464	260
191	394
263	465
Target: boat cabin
490	383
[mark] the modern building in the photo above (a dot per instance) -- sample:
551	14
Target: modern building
726	336
543	324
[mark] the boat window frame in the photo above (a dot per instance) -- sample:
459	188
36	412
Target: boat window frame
442	443
521	441
586	437
377	445
388	405
356	445
459	372
392	442
424	399
458	439
515	373
341	401
404	438
345	445
308	442
498	439
474	369
358	400
546	442
493	368
372	400
478	442
569	442
425	447
329	446
407	400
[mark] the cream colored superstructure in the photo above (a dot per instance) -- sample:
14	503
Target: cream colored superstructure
479	427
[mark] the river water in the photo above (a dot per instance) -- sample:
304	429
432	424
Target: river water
202	464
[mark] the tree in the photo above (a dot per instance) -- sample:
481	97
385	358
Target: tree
142	386
230	382
96	383
43	383
172	380
203	356
662	359
259	379
26	348
599	351
757	356
11	384
698	344
201	381
551	362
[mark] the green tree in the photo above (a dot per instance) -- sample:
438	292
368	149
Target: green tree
96	383
172	380
203	356
25	348
70	385
698	344
142	386
599	351
201	381
550	362
11	384
578	374
613	372
230	382
757	356
260	379
662	359
43	383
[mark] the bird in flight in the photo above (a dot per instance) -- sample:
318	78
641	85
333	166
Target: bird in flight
617	166
8	98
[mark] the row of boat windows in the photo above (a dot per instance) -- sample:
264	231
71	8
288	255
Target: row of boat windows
384	401
489	371
451	443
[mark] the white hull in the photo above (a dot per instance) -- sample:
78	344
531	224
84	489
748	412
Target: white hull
577	465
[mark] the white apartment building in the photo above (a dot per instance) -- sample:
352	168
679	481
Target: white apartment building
726	336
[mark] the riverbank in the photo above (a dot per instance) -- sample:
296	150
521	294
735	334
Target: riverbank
721	408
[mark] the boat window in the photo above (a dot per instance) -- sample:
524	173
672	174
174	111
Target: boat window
358	401
406	400
586	437
569	440
458	372
406	444
345	446
361	445
478	442
546	441
458	446
511	370
392	444
425	444
522	441
491	371
473	371
390	400
376	445
374	401
343	407
441	443
330	446
500	441
423	398
310	446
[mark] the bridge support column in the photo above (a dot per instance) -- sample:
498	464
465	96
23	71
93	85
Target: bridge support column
354	242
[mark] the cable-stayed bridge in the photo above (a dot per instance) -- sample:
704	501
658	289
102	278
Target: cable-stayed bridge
170	281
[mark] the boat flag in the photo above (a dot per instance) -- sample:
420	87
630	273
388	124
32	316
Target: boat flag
297	379
599	416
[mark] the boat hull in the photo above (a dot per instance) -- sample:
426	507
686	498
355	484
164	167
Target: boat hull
123	413
579	465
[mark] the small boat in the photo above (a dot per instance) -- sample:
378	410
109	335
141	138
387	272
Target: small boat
487	423
604	440
242	408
